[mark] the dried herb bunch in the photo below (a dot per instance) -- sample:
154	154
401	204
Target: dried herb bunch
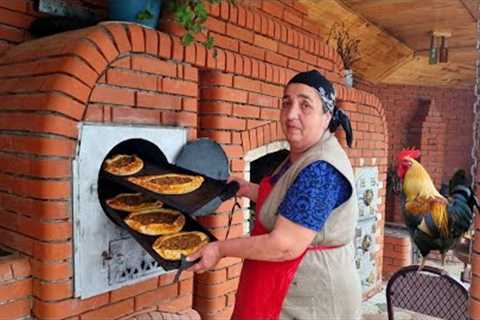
347	47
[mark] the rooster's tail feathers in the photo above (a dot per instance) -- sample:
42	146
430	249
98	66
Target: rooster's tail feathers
462	192
460	209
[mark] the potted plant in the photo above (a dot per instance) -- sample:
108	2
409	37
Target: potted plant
346	46
144	12
190	14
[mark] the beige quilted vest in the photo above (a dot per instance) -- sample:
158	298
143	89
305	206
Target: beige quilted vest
326	285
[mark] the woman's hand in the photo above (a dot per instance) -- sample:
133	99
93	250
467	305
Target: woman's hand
210	255
247	189
244	189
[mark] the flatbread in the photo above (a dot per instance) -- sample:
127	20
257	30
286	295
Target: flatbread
172	247
170	183
123	164
131	202
156	221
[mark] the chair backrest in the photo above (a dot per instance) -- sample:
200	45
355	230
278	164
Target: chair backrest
427	292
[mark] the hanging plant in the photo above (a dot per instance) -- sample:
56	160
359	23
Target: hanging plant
192	14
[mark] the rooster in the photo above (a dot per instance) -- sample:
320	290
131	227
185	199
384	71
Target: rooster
433	221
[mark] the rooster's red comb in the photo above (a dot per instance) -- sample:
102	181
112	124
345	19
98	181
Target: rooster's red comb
412	153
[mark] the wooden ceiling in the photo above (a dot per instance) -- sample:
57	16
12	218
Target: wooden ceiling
395	38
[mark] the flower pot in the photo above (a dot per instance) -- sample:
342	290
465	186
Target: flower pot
144	12
348	74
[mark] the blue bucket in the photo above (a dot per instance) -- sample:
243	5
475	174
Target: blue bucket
133	10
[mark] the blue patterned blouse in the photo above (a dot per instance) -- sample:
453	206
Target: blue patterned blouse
318	189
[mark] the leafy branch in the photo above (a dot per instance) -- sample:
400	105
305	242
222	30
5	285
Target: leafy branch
192	14
145	15
347	47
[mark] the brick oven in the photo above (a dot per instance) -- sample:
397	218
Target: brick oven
143	83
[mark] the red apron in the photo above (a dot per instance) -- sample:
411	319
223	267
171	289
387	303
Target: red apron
263	284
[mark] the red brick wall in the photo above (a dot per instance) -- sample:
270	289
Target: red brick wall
15	18
454	107
17	15
397	251
15	287
127	74
432	136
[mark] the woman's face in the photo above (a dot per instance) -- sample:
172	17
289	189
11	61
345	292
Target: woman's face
302	116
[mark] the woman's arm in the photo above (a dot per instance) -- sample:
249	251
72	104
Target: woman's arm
287	241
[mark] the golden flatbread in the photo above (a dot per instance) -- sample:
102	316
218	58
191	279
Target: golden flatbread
131	202
123	164
156	222
170	183
172	247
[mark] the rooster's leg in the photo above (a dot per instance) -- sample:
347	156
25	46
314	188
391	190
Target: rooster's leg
422	263
444	256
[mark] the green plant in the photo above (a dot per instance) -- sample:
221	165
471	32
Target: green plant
347	47
192	14
145	15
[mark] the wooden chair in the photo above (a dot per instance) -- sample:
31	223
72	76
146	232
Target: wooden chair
428	292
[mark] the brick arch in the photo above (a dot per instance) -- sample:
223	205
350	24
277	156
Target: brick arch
63	70
145	89
260	136
48	82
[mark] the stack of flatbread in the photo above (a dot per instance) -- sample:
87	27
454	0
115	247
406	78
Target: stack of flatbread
148	216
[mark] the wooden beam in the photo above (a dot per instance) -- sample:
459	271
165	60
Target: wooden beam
472	6
457	49
446	34
394	68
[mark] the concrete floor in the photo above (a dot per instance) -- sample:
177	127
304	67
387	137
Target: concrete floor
375	308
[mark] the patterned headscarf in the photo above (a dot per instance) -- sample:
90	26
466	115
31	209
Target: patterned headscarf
320	84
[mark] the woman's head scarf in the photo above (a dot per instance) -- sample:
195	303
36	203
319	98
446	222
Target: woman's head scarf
325	90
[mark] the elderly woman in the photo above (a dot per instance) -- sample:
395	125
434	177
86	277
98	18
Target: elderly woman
299	259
